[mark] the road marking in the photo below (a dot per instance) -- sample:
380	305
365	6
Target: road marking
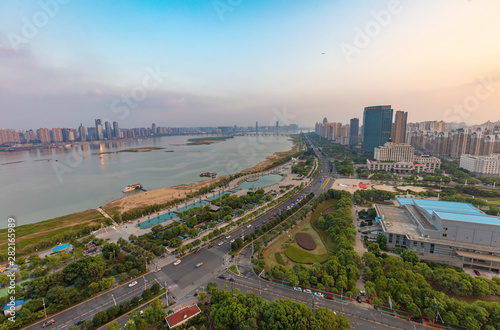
324	184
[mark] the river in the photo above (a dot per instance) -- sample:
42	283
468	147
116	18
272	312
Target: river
42	184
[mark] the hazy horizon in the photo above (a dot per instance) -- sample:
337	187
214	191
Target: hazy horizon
224	63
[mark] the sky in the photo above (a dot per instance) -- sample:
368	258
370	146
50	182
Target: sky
234	62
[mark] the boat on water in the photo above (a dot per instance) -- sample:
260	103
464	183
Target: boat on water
208	175
132	187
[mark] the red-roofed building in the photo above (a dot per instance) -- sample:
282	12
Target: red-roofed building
182	316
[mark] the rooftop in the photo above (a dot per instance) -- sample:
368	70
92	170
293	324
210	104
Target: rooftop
182	316
452	210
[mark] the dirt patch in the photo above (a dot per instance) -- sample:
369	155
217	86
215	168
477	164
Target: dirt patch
305	241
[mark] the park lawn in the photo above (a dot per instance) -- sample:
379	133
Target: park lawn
34	232
325	207
493	200
289	240
300	255
5	291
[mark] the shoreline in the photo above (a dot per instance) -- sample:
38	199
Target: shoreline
42	234
168	194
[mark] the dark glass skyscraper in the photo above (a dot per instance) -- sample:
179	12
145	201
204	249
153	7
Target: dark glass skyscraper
353	132
377	126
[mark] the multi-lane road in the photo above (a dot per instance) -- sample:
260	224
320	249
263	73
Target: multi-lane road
185	279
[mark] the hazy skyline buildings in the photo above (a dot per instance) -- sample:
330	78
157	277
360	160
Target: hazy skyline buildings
398	133
353	132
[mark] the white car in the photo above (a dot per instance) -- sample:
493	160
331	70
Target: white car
319	294
228	236
249	226
220	243
296	288
177	262
307	291
132	284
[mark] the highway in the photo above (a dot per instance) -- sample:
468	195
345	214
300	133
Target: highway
185	279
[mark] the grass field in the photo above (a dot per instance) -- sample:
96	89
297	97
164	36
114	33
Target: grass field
5	291
33	233
297	254
294	253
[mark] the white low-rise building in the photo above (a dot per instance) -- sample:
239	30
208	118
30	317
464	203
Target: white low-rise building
482	165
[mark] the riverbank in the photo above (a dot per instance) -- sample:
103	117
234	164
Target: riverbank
165	195
46	234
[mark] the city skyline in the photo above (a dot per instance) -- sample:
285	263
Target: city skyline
200	64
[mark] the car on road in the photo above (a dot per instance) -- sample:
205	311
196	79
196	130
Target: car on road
142	313
231	279
177	262
307	291
416	319
296	288
329	297
477	272
46	324
319	294
198	265
228	236
107	238
209	247
358	299
249	226
271	218
220	243
221	276
231	241
132	284
362	293
80	321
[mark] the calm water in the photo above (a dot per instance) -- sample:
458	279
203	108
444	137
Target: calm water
43	184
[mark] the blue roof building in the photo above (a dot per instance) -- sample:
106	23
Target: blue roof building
449	229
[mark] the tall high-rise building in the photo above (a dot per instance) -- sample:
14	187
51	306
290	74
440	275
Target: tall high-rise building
82	133
325	120
30	136
256	127
277	127
57	135
92	134
398	134
109	131
43	135
9	136
153	129
353	133
377	126
98	128
116	130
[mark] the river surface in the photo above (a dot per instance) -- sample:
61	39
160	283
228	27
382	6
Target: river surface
46	183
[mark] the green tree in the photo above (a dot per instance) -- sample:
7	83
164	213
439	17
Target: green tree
113	326
381	241
155	288
100	318
410	256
